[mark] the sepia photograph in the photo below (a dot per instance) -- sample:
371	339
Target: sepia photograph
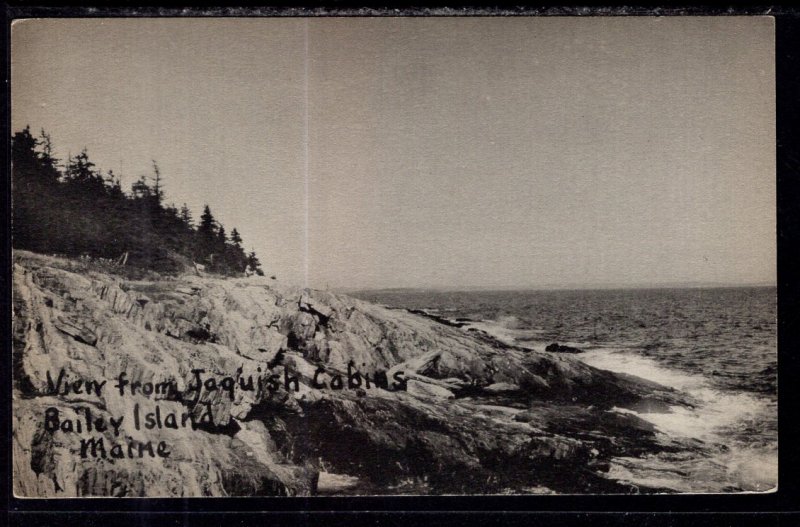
377	256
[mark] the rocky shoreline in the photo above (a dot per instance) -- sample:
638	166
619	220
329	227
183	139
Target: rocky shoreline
462	413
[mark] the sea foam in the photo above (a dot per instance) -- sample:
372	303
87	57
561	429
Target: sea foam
719	421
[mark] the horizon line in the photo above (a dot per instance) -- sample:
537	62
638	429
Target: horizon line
554	287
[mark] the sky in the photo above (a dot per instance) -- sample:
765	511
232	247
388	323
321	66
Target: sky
435	152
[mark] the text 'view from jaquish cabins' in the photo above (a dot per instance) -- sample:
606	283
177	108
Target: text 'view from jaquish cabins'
380	256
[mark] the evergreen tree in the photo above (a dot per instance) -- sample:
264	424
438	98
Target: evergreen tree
140	189
50	163
158	192
47	146
186	215
81	173
236	238
26	185
114	185
77	209
220	249
207	222
23	155
253	264
235	257
206	233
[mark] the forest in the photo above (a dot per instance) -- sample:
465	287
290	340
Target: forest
74	209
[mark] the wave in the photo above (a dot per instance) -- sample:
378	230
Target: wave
739	429
736	431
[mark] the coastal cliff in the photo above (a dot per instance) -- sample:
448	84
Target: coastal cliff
274	390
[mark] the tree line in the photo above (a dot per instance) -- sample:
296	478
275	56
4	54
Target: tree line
75	209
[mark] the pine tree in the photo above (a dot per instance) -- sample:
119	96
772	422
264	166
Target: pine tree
206	233
81	171
235	257
114	185
158	192
236	238
50	163
47	145
253	264
23	153
26	189
140	189
186	215
206	227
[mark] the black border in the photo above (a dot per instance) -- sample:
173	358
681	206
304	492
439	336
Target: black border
776	508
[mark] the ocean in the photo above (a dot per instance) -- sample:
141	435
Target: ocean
719	345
